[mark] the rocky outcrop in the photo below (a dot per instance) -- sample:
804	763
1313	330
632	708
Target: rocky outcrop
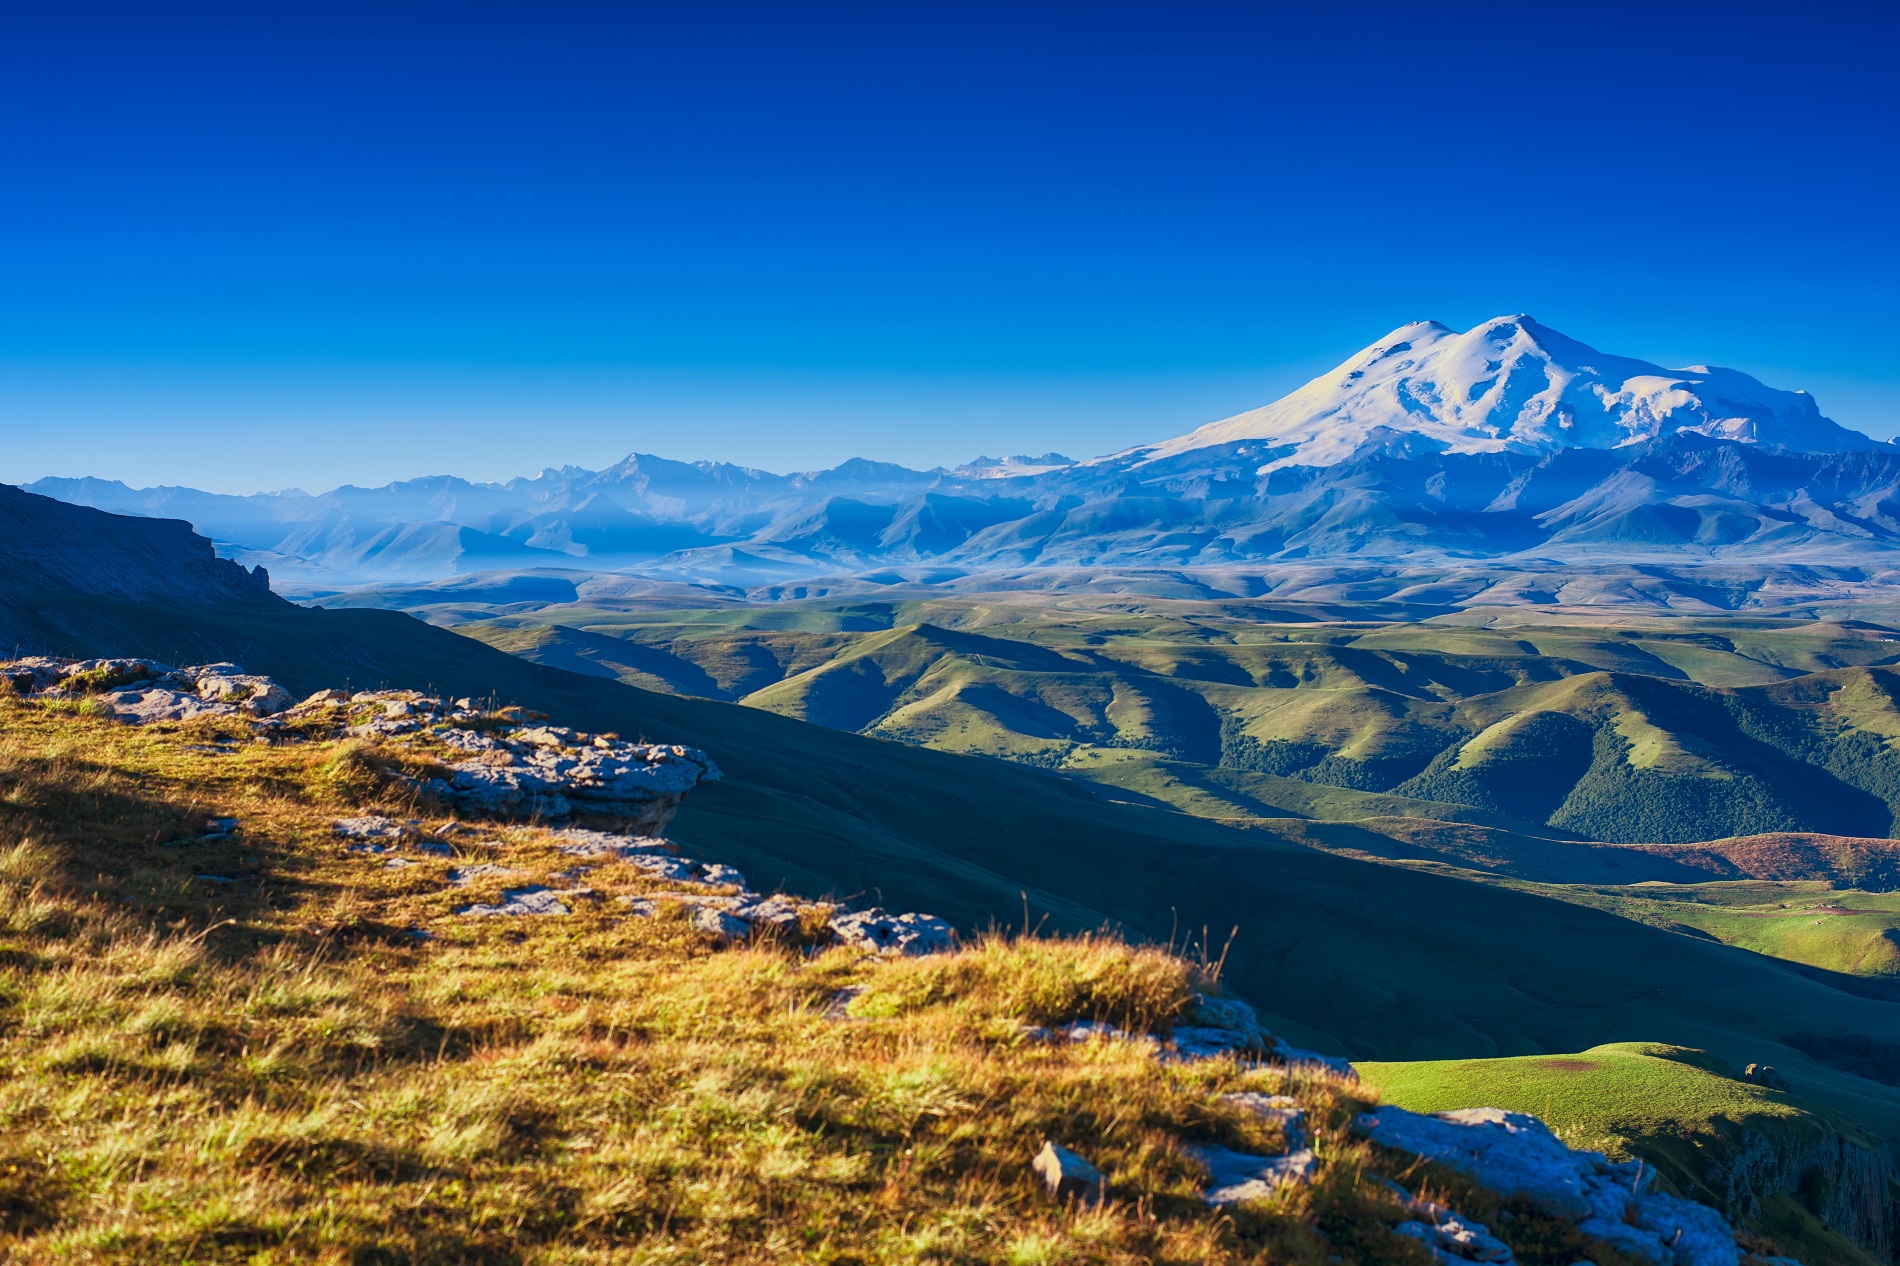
1515	1154
1850	1183
883	933
50	549
143	690
498	763
509	764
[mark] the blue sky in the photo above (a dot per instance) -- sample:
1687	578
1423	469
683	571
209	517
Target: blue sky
272	245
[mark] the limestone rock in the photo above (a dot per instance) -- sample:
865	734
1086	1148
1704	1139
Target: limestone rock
686	871
884	933
1196	1042
1237	1177
1455	1241
519	902
373	826
32	674
721	924
1515	1154
140	691
142	705
1283	1110
1067	1176
641	783
780	914
581	842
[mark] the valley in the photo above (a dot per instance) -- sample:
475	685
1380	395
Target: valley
1588	760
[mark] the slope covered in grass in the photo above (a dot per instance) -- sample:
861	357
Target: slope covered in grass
1354	957
269	1046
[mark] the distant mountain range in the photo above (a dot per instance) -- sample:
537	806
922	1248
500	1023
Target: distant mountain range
1509	441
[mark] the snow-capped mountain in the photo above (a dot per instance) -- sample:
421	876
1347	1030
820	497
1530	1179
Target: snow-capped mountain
1509	440
1512	385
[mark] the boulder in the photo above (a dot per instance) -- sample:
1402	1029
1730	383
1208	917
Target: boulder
519	902
684	870
1066	1176
32	674
1237	1177
884	933
720	924
778	913
1515	1154
143	705
639	783
1455	1241
1764	1075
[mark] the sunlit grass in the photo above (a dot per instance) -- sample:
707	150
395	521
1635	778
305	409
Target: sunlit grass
268	1065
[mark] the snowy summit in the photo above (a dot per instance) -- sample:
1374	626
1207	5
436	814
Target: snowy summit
1513	384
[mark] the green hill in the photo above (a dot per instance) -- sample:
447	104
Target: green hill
1670	732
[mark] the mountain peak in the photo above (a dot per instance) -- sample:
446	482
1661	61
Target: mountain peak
1514	384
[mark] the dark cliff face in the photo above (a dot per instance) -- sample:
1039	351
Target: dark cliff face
59	561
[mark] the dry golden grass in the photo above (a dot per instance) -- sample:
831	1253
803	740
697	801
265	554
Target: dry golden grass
266	1066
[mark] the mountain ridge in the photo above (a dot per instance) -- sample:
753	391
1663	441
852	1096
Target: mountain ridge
1507	441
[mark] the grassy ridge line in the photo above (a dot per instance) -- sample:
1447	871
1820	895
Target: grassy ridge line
1380	961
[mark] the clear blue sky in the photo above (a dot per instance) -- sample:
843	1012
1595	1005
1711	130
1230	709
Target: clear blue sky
268	245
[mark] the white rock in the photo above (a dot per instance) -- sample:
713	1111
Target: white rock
519	902
684	870
1515	1154
1456	1241
884	933
721	924
143	707
1283	1110
776	912
1237	1177
373	826
1067	1176
580	842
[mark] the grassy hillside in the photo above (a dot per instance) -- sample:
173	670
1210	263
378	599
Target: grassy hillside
1771	1160
1359	958
266	1047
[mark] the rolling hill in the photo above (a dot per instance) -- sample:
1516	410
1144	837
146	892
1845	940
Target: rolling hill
1671	733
